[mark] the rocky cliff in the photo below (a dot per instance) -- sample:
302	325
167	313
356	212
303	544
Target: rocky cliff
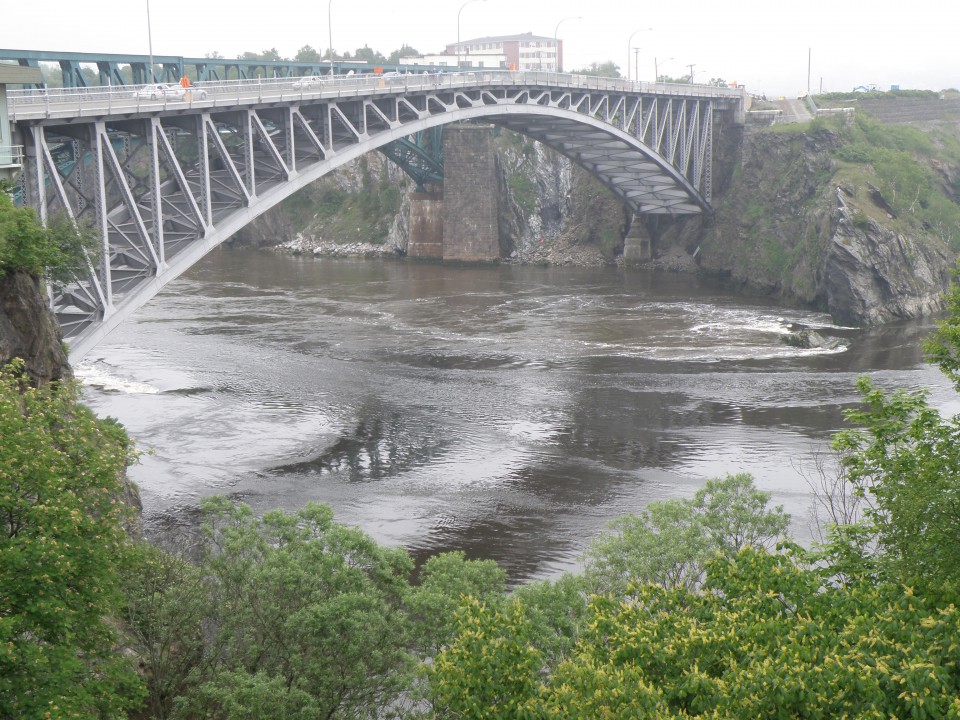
28	329
796	220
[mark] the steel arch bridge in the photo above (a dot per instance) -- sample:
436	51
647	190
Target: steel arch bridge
166	179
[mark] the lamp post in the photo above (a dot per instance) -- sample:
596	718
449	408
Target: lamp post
630	44
656	68
556	42
330	31
636	63
458	27
150	77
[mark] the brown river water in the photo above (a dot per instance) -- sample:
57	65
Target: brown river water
507	411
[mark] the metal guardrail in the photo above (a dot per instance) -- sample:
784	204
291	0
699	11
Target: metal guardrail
11	155
50	103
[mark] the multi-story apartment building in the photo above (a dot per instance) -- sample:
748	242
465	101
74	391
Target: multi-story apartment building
507	52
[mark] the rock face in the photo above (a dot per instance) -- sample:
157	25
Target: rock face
28	329
784	227
875	275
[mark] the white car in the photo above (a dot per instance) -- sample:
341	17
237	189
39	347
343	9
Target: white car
306	82
159	91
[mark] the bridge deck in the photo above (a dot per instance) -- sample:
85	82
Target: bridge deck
101	102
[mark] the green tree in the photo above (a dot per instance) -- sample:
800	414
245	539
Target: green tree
164	611
58	250
905	458
670	541
490	671
403	51
299	602
554	611
60	548
307	54
367	54
445	580
269	55
607	69
943	349
763	637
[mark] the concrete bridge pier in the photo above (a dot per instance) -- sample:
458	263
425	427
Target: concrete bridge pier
638	244
471	200
460	223
425	241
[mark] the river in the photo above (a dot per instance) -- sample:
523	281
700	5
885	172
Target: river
507	411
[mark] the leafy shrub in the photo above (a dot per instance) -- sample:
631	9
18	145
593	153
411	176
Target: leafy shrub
60	548
58	250
524	191
670	542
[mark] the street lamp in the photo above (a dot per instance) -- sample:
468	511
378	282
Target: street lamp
636	63
556	43
656	68
458	27
330	31
149	45
630	44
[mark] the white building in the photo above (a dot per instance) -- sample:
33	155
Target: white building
508	52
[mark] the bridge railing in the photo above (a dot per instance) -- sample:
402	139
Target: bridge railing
11	156
33	104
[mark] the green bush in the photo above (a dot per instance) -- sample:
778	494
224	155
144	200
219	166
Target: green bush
61	547
58	250
524	192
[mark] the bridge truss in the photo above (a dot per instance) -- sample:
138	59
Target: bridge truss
164	181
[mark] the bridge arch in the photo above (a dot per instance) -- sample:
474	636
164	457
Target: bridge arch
167	183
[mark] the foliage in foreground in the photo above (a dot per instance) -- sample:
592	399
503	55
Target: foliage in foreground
764	638
291	615
669	542
61	541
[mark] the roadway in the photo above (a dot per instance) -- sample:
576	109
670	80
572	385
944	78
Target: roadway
794	111
60	103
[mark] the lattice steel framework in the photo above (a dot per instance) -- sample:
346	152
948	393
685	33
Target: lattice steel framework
165	182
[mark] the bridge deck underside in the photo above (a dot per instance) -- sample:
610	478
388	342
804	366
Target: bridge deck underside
638	180
163	186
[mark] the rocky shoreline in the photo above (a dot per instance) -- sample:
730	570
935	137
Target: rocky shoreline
558	253
303	245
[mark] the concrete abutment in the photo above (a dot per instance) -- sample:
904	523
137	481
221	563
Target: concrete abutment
460	223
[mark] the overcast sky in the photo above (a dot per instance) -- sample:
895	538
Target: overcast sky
761	43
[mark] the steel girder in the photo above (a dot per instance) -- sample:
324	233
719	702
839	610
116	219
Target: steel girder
164	186
419	156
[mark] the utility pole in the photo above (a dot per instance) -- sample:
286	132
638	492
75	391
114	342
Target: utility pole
459	52
630	45
330	32
691	66
149	78
556	42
